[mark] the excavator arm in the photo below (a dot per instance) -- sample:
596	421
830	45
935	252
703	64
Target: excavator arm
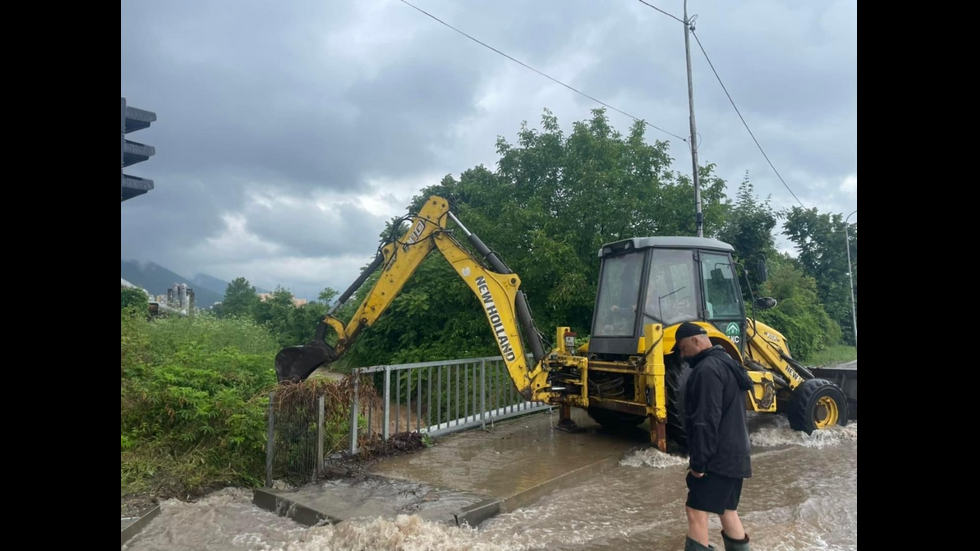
497	288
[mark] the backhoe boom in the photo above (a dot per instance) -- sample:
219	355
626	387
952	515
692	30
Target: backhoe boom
498	290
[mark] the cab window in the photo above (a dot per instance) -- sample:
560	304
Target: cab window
721	296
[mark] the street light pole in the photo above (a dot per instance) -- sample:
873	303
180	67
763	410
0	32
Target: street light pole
847	240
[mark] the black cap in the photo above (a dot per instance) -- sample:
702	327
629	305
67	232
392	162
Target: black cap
686	329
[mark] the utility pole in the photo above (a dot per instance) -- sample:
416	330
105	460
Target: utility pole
854	315
694	140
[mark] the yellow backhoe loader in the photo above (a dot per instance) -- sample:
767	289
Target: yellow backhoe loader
622	377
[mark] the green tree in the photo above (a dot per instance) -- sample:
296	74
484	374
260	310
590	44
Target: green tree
240	298
135	299
302	323
553	201
799	314
289	324
276	313
556	199
327	295
749	229
820	240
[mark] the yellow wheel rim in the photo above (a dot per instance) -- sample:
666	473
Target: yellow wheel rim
825	414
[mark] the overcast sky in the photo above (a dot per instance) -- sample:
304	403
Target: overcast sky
288	133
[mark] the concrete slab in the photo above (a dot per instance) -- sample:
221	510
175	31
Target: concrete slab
367	496
516	461
467	477
132	525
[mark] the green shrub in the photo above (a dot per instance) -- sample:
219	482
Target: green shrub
136	299
192	402
799	314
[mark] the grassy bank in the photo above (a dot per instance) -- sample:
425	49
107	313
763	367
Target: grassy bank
192	405
834	355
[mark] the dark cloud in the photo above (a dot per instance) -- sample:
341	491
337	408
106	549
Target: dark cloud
304	229
174	217
267	114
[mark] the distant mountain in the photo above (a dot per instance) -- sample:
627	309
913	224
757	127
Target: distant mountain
211	283
156	279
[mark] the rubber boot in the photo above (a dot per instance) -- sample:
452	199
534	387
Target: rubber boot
691	545
735	545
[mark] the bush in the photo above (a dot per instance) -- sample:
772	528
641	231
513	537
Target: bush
192	403
135	299
799	315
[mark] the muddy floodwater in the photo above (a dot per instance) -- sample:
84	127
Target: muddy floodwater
802	496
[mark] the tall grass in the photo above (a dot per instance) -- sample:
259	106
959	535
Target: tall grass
192	405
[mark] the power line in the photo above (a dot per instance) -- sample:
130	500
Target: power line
678	19
743	118
540	73
690	23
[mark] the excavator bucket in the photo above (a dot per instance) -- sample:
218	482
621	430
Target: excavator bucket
296	363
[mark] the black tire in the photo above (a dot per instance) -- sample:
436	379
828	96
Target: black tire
675	378
814	400
615	420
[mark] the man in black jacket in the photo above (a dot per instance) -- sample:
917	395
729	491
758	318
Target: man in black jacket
717	438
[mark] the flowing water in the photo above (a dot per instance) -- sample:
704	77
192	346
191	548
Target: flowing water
802	496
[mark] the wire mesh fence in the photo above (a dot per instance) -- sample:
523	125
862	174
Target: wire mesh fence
307	422
293	436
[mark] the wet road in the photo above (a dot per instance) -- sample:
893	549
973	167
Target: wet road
803	496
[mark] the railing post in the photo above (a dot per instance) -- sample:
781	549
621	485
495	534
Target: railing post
270	446
387	407
319	436
483	392
353	419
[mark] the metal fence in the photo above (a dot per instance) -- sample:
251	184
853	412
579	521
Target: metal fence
436	398
294	450
379	402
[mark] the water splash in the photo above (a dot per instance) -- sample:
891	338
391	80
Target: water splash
652	457
782	435
404	533
227	520
638	505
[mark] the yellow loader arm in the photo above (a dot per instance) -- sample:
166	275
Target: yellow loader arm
498	291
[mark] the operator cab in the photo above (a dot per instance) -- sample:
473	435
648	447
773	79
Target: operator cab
667	280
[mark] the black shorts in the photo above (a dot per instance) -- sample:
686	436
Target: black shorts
713	493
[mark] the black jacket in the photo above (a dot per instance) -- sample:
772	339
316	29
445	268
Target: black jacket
714	401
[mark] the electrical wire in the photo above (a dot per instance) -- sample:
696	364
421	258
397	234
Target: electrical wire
674	17
543	74
743	118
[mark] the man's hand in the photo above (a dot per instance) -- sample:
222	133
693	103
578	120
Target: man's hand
697	474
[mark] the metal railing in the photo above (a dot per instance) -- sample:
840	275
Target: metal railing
310	421
436	398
